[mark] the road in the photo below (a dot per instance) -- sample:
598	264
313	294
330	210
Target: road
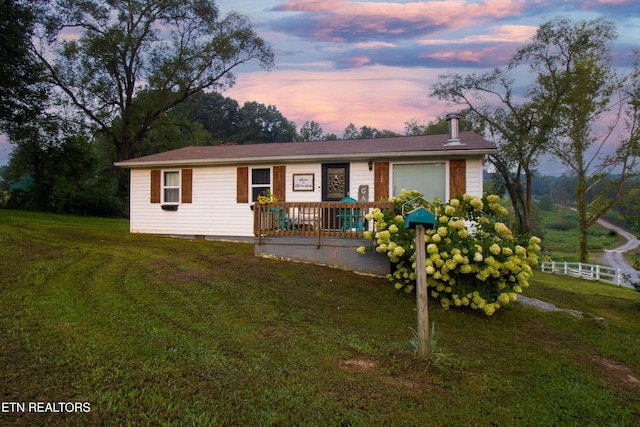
615	257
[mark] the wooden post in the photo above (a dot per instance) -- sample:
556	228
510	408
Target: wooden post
422	297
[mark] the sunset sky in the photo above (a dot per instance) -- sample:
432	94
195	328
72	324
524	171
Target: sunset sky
373	63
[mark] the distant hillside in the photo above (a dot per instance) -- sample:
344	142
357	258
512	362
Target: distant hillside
560	190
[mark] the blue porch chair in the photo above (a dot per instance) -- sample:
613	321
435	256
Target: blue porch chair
281	219
351	217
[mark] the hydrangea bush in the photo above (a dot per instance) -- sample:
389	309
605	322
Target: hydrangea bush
472	259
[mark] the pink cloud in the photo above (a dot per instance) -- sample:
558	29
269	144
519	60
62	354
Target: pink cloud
370	45
616	2
501	34
376	96
358	61
343	19
309	5
467	55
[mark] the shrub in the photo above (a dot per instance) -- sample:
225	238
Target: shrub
472	259
562	225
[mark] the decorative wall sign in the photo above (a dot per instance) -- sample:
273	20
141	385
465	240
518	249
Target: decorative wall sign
303	182
363	193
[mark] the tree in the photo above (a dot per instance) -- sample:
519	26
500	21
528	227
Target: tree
516	127
627	209
173	130
438	126
20	91
261	123
172	49
524	125
366	132
219	115
573	65
59	161
310	131
351	132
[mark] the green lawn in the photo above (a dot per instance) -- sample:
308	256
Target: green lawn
159	331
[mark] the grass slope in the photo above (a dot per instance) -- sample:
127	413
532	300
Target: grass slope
159	331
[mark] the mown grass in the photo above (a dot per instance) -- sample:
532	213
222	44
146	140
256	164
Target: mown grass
159	331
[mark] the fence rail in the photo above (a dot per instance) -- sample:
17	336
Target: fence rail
601	273
317	219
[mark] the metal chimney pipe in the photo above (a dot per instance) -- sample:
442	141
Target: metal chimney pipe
452	119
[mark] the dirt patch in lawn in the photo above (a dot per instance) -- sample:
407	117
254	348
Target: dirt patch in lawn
359	365
618	374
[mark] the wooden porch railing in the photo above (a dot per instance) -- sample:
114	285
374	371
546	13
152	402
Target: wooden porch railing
318	219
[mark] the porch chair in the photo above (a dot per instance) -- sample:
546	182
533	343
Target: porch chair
281	219
351	217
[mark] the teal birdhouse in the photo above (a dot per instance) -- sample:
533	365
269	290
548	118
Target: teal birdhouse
420	216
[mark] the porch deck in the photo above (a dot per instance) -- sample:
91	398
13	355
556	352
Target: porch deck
314	219
324	233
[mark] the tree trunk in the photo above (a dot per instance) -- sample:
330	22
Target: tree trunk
513	188
581	207
528	221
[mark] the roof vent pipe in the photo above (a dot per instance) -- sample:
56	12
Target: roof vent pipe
454	139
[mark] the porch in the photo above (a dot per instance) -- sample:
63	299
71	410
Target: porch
325	233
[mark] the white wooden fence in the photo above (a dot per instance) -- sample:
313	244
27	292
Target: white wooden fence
601	273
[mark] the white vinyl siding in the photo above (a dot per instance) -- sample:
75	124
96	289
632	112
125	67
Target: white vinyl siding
475	178
361	176
214	211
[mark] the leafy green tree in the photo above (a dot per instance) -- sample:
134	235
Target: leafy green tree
573	64
436	127
173	49
219	115
366	132
310	131
351	132
21	89
572	81
61	165
627	210
261	123
171	131
385	133
516	127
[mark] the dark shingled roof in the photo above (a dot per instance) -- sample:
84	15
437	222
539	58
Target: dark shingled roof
344	149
